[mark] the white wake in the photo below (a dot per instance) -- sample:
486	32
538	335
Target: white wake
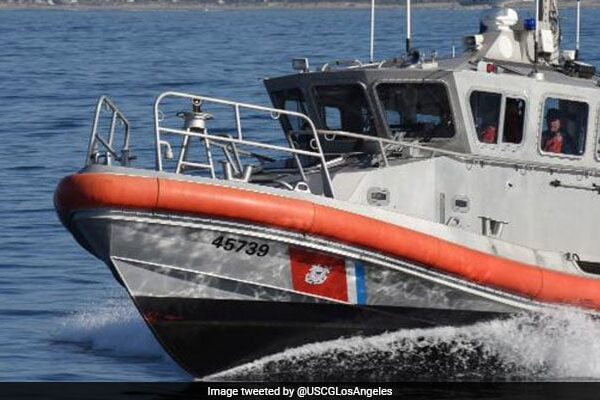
556	345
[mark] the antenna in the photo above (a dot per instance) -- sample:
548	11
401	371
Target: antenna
372	52
537	32
407	26
578	26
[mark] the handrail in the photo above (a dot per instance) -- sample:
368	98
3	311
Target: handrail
341	63
93	154
237	107
227	139
468	157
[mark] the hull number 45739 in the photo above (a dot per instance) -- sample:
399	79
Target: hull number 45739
249	247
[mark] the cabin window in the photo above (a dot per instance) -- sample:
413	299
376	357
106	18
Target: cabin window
344	108
333	118
420	110
485	107
489	115
514	120
564	126
291	100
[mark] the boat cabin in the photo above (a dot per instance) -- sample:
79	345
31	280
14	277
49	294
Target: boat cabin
465	105
495	141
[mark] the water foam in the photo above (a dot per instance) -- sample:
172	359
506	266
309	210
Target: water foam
561	344
116	328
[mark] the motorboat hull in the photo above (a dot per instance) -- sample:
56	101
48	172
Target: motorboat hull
213	309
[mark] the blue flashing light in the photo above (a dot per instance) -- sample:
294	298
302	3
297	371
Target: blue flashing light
529	24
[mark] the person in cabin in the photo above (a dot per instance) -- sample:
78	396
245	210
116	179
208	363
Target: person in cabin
489	134
554	139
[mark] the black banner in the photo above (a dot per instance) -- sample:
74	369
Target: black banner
311	390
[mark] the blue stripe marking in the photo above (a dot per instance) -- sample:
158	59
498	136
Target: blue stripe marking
361	291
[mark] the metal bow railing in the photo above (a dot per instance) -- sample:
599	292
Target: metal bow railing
101	147
229	144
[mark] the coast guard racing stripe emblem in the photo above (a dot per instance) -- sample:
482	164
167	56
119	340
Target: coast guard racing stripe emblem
318	274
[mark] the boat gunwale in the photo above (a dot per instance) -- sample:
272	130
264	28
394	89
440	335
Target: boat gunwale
159	194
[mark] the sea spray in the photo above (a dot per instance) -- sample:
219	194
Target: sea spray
554	345
115	327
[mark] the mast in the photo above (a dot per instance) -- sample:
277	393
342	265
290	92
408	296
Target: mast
536	35
372	47
577	29
408	27
547	32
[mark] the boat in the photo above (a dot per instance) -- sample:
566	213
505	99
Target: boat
406	193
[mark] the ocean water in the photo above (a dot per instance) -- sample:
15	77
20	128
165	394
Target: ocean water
62	315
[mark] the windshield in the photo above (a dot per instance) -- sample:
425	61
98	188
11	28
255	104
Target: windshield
344	108
416	110
291	100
